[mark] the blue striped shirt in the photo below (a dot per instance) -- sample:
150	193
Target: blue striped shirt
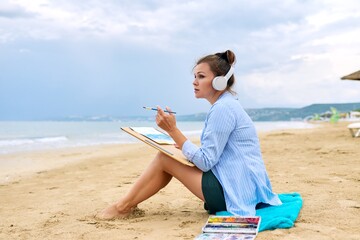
230	148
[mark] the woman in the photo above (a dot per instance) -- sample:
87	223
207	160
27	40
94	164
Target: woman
230	174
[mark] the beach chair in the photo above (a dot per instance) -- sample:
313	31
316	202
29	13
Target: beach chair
354	129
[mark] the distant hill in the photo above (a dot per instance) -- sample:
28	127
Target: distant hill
288	114
321	108
271	114
283	114
192	117
256	114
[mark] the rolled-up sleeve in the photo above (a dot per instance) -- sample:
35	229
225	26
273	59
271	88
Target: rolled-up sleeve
189	149
195	155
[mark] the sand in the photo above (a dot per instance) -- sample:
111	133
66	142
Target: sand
60	198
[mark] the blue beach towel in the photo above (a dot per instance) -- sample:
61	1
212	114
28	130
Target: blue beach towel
283	216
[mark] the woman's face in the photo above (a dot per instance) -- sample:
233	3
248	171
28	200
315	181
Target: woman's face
203	82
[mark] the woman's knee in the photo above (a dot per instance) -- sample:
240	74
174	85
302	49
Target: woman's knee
165	162
160	157
160	160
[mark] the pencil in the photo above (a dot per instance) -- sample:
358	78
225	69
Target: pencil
155	109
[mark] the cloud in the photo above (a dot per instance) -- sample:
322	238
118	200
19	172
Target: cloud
12	11
289	53
301	62
152	23
142	23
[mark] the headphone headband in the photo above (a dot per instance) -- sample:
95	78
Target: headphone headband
229	73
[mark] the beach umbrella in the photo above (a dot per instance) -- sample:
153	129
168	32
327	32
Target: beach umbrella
352	76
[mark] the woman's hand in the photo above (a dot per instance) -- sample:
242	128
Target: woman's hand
165	121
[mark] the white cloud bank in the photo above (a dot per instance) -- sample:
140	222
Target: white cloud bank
290	53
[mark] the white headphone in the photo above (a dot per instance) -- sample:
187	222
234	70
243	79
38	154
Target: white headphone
220	82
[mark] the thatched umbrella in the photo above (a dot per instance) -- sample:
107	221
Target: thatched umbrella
353	127
352	76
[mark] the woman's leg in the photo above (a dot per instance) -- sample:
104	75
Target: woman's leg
156	176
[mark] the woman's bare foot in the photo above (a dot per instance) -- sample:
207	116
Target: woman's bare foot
112	212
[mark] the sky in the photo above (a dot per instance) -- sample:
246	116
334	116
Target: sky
111	57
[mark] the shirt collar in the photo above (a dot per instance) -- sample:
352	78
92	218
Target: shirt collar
225	94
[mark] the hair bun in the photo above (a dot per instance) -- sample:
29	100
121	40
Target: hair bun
223	56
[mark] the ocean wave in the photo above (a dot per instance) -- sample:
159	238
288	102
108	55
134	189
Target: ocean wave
25	136
52	139
29	141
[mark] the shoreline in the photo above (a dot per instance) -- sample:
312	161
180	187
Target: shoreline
321	164
16	165
17	137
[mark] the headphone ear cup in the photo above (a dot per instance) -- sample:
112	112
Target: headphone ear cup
219	83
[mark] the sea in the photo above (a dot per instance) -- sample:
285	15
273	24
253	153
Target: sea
18	136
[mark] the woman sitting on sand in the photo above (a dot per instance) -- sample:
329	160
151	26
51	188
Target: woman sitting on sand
230	174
